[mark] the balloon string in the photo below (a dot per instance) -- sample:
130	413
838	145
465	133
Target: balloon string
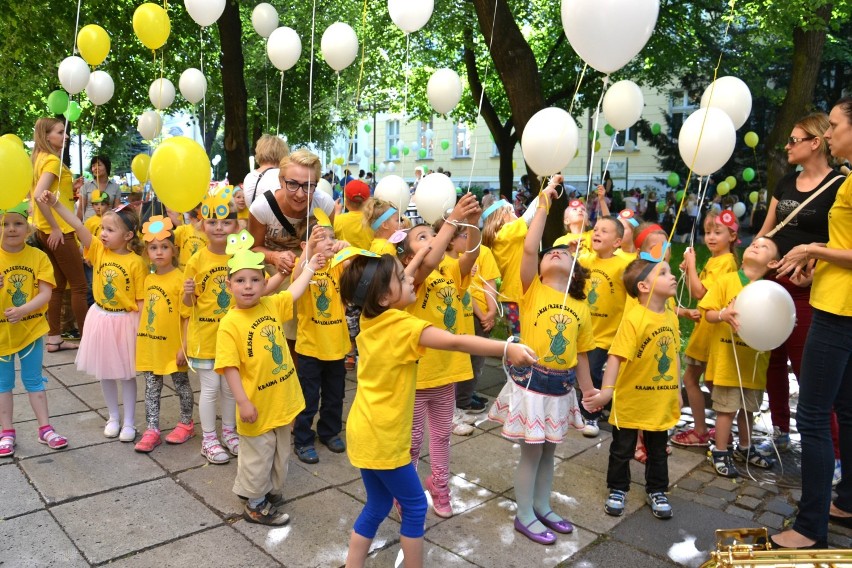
577	88
405	97
76	28
266	80
280	96
311	76
203	123
363	40
596	121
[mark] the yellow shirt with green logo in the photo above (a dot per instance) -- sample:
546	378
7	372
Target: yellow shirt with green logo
158	338
189	241
22	272
321	329
118	280
605	295
212	301
699	341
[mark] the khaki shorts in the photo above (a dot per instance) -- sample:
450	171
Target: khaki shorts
262	467
687	360
730	399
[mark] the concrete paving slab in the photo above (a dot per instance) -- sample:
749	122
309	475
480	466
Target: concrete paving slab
614	553
201	549
488	461
37	540
59	402
92	394
59	357
486	536
93	469
689	535
175	458
116	523
318	533
213	484
433	555
82	429
67	373
332	468
574	443
19	497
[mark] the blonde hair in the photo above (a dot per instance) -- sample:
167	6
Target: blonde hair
43	126
301	157
492	226
270	149
815	125
171	240
372	209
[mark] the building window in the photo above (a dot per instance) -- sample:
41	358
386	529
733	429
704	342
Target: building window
353	157
426	141
461	141
393	140
623	136
680	107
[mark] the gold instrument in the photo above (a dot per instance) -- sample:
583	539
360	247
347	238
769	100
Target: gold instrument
748	548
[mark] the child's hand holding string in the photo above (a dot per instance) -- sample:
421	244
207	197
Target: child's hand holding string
465	207
519	355
317	262
728	314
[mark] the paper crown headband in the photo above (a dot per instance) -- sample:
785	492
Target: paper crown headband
322	218
157	228
239	247
99	196
216	204
728	219
21	209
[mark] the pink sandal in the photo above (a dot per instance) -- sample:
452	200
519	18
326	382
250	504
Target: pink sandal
690	439
54	441
7	443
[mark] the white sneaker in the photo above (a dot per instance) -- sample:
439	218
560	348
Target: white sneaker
591	430
460	428
460	415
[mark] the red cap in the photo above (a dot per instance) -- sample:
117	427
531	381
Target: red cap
357	190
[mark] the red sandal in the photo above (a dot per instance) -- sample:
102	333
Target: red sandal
7	443
48	436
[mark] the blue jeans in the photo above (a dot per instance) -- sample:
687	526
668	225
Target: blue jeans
825	382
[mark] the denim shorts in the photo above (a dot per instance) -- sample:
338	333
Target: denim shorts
543	380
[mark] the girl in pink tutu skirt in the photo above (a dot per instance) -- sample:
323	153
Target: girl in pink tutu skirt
538	404
108	346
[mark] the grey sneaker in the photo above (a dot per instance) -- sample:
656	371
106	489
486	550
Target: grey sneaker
265	514
614	504
660	506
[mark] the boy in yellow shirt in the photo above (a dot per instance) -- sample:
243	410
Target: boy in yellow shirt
190	238
349	226
252	354
736	376
641	380
100	204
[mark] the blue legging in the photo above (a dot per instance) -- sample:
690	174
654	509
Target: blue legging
31	358
385	485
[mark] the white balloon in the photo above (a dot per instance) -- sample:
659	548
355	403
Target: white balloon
150	124
325	187
444	90
382	167
339	46
394	189
429	134
623	104
284	47
162	93
549	141
74	74
415	146
716	144
607	34
766	314
264	19
630	146
739	209
366	152
193	85
410	15
101	87
731	95
435	194
204	12
391	166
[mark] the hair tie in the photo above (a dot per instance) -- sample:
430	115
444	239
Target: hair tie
382	218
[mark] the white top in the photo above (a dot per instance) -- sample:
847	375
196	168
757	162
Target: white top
269	180
277	238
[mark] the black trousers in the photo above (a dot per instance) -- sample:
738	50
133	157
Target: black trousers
321	381
621	451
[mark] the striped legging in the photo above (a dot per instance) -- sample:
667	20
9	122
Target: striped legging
437	404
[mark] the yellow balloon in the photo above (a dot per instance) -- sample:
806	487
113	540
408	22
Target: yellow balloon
152	25
94	43
140	166
732	182
13	138
17	173
180	173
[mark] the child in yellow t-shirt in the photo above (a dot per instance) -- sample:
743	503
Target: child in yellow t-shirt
190	238
720	236
349	226
252	354
322	341
641	380
378	430
483	292
575	222
26	283
606	297
440	284
159	345
738	372
539	405
100	204
242	209
383	219
504	233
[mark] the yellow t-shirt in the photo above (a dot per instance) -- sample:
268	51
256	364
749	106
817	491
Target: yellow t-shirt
189	241
350	227
252	341
721	366
699	341
118	280
556	332
48	163
439	303
485	269
629	256
829	292
378	429
243	214
93	224
321	329
508	249
212	301
383	246
646	390
605	295
22	272
158	338
585	239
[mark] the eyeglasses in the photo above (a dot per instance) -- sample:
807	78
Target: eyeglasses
793	140
293	186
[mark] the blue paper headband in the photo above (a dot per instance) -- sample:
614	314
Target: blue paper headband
382	218
494	207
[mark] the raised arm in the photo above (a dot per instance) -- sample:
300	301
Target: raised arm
69	217
465	207
529	262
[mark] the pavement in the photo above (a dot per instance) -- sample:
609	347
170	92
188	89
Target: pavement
99	502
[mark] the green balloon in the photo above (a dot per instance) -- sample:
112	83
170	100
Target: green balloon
394	151
405	150
609	130
594	135
73	111
748	174
57	101
367	128
445	144
421	153
679	195
661	207
656	129
674	180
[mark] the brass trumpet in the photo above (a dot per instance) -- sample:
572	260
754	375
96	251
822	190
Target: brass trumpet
741	548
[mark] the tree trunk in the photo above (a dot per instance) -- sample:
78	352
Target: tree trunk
807	54
234	94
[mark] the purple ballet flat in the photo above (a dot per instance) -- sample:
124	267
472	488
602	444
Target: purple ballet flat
544	537
561	526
